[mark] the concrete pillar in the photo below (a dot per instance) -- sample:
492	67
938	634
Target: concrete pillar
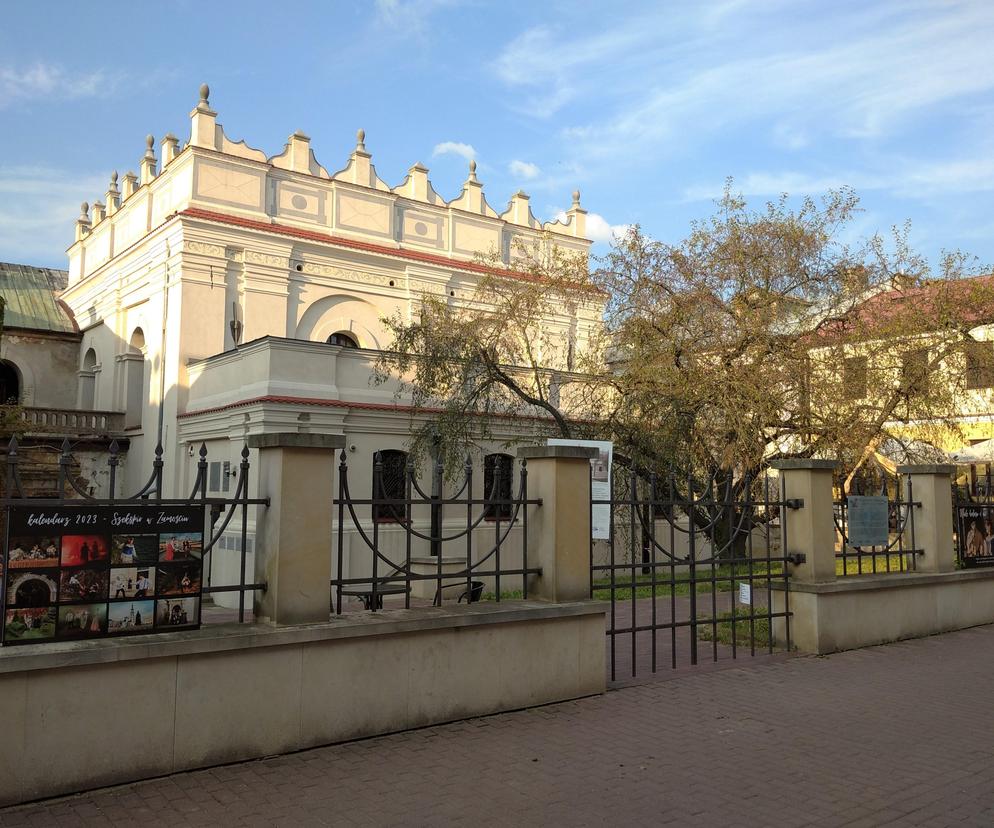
294	535
931	485
559	529
810	529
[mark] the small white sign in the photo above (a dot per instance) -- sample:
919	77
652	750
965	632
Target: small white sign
745	593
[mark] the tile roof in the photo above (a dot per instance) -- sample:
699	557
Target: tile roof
31	301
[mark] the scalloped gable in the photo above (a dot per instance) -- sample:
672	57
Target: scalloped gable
519	212
472	199
206	132
297	156
360	169
417	187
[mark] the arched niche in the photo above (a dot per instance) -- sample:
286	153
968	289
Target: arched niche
134	380
88	381
341	314
10	383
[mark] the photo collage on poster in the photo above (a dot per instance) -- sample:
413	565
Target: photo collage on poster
975	531
75	573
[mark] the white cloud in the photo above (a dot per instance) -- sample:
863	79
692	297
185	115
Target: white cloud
410	15
524	170
900	177
37	208
467	151
667	78
44	80
599	230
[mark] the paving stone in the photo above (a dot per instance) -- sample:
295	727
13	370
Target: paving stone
865	738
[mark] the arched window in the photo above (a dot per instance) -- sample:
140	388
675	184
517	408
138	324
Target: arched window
344	339
134	367
10	383
389	483
88	381
497	486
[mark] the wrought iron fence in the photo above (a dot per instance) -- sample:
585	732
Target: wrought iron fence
398	505
899	554
688	563
219	512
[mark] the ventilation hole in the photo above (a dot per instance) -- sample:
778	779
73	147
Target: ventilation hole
391	283
299	268
452	293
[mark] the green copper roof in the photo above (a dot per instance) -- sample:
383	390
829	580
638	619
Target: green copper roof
29	295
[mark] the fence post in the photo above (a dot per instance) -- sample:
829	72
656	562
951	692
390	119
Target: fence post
559	530
809	528
931	485
294	534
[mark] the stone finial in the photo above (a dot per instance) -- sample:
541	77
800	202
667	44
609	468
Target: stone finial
83	222
130	185
113	195
147	167
577	217
360	140
203	122
170	149
99	212
471	198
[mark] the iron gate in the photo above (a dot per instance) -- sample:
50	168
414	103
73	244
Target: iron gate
692	570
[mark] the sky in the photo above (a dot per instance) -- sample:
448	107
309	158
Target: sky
647	108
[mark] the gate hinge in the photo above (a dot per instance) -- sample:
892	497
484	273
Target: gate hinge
794	503
796	558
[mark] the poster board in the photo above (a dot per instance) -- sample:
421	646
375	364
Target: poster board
975	535
867	520
91	571
600	483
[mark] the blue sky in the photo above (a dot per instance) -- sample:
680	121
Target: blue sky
646	107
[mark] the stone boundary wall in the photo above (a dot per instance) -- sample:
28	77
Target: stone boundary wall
88	714
862	611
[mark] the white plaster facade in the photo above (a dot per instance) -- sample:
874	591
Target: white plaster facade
206	291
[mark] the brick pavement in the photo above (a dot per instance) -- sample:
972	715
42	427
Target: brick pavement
897	735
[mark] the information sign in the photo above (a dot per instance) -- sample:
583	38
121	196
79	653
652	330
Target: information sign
87	571
867	520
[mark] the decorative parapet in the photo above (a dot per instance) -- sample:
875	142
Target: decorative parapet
292	188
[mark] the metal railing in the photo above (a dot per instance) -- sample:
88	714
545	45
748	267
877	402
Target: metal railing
678	554
484	525
219	512
900	552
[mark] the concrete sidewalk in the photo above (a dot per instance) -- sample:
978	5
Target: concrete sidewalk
900	734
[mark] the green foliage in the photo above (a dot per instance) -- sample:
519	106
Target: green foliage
747	633
726	580
505	356
716	354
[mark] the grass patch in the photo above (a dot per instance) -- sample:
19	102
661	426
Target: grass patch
855	566
505	595
681	584
743	630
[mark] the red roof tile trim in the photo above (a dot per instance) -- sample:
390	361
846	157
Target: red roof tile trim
322	403
370	247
